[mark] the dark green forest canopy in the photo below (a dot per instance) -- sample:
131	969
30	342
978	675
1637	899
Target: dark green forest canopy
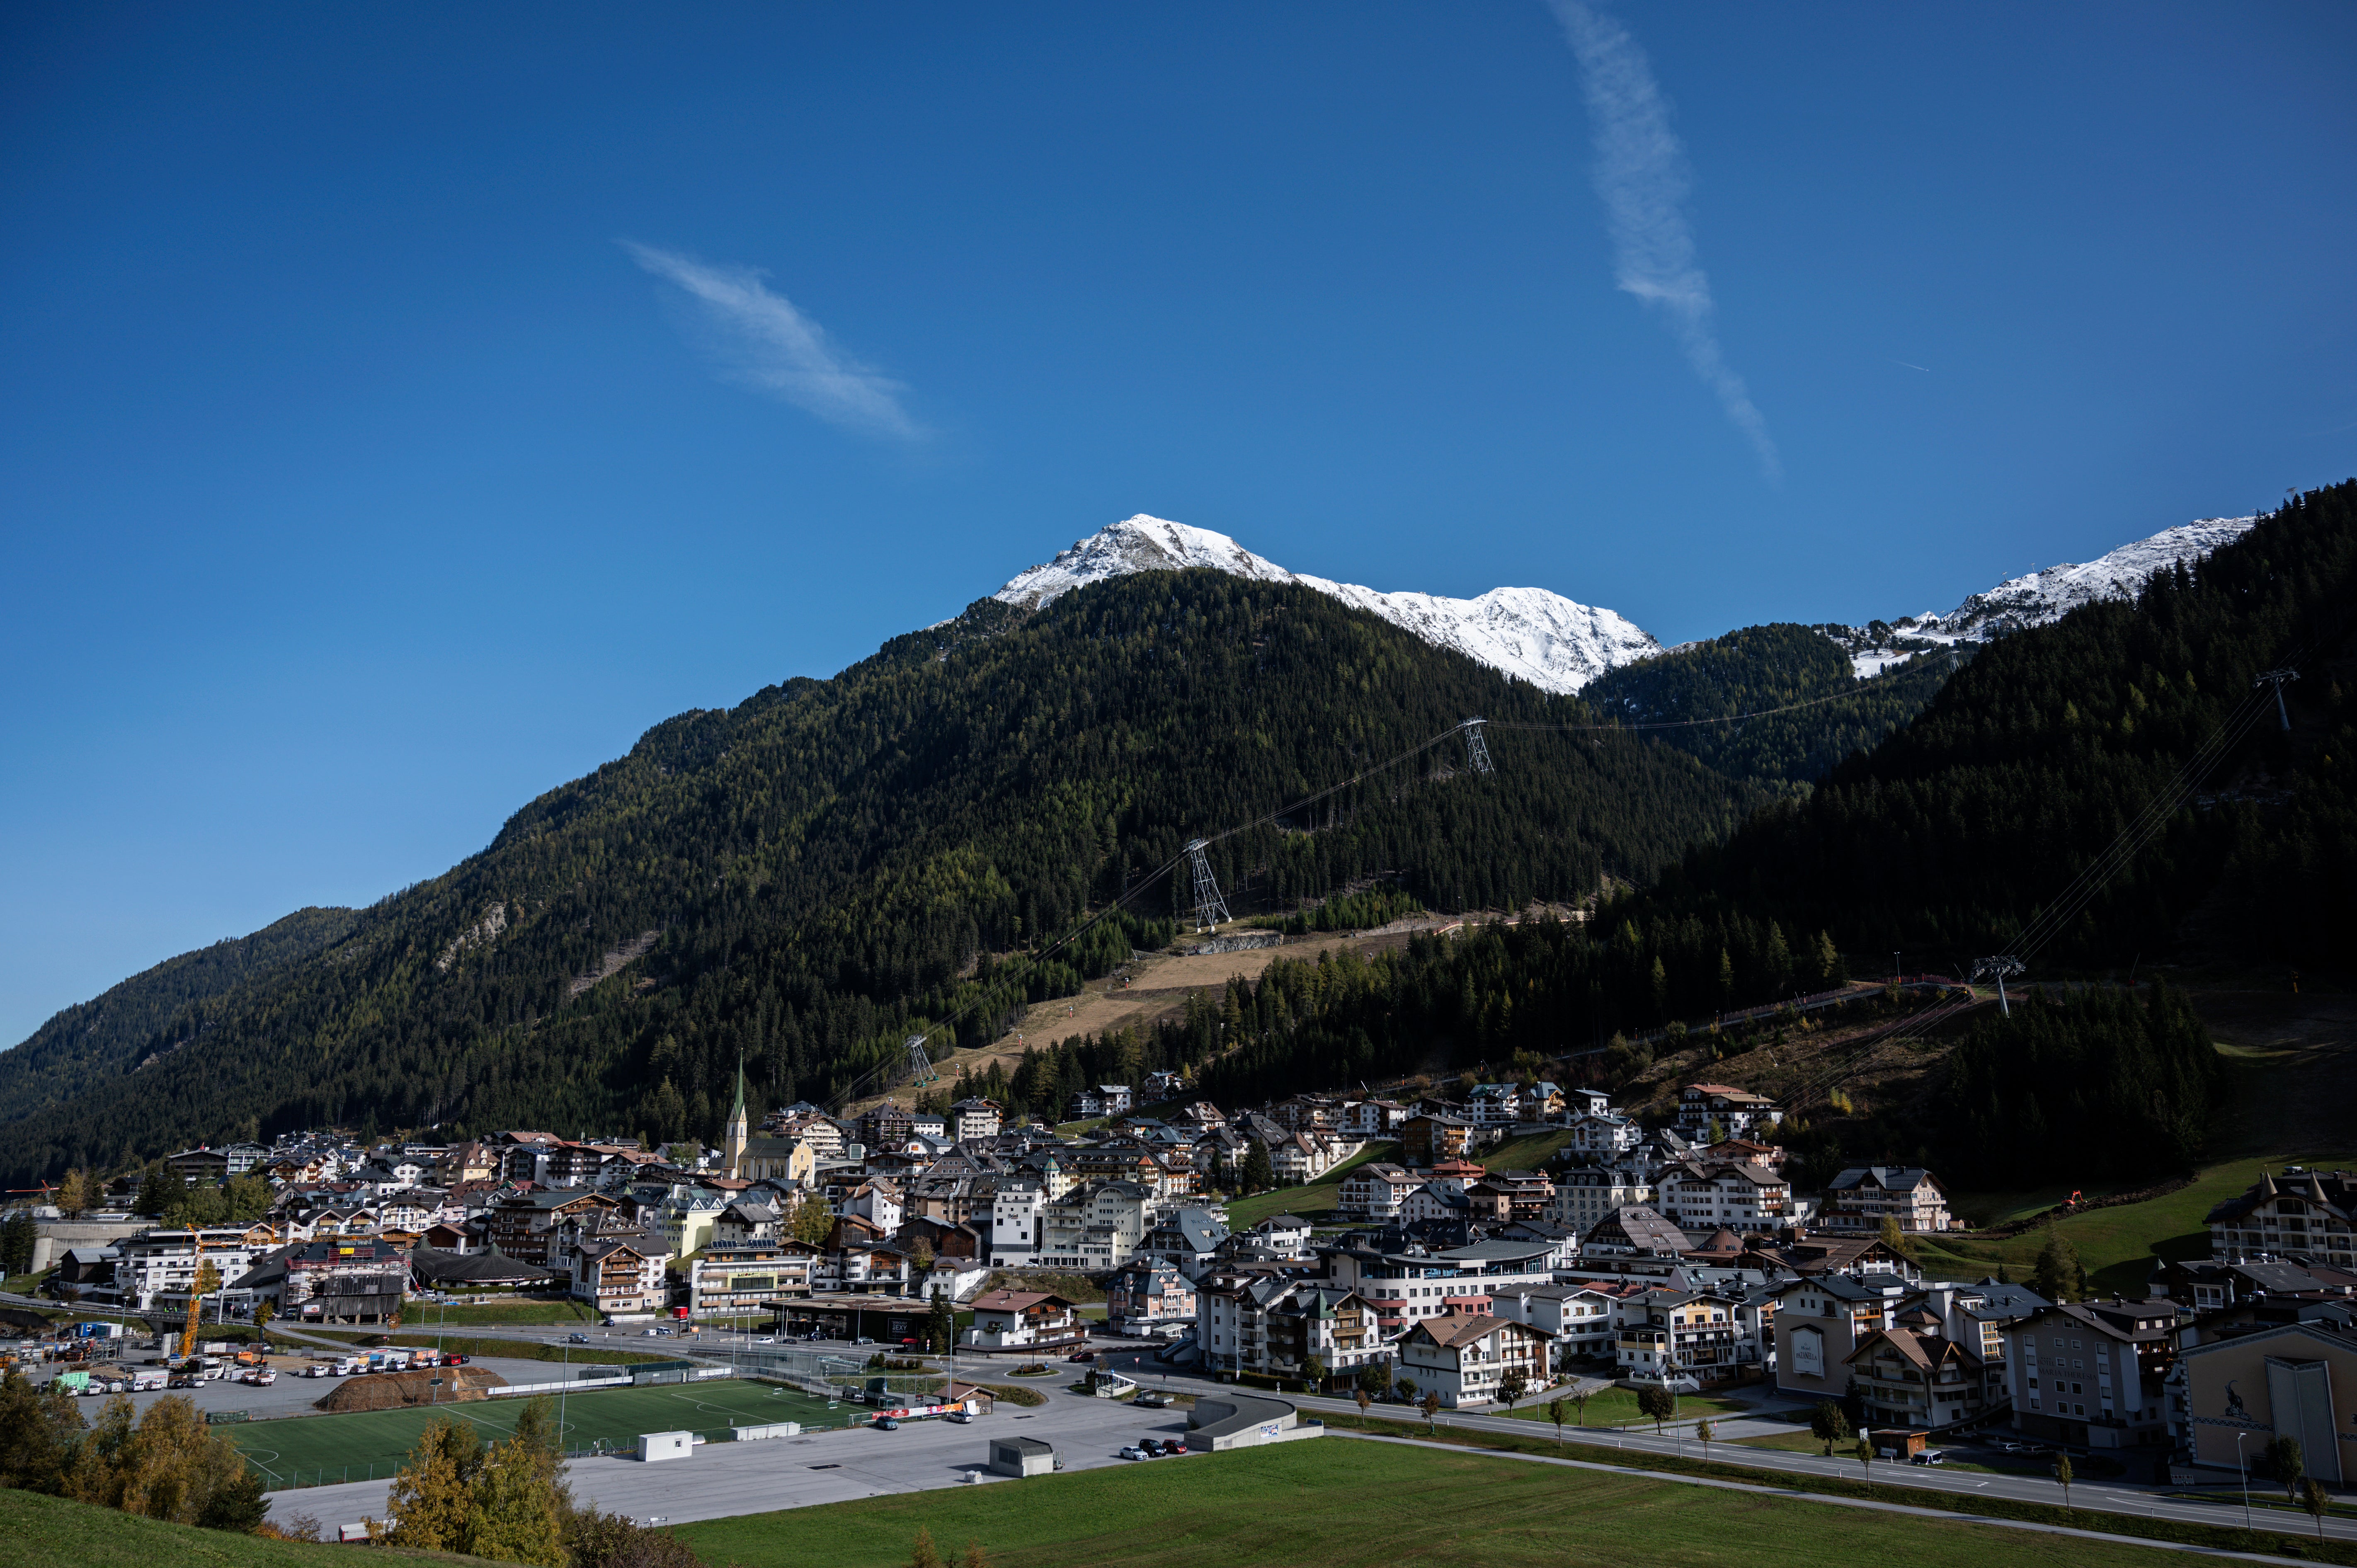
90	1042
1758	669
832	859
1947	839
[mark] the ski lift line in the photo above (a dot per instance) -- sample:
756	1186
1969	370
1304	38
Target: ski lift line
1680	723
890	1067
2140	830
1359	778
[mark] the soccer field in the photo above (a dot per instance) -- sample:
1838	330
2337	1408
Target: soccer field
309	1451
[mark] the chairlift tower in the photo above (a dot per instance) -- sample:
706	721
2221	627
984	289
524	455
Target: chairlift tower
1477	750
921	1066
2276	678
1210	907
2000	967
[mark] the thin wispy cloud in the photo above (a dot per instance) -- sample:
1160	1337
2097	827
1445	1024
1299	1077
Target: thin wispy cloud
1641	174
768	345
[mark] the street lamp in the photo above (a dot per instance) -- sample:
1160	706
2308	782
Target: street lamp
2247	1478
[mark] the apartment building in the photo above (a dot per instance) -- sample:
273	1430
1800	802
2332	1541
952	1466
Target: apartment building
1709	1112
2303	1215
2092	1374
1671	1335
1857	1200
1465	1357
1588	1194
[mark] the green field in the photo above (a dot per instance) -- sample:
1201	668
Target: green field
1314	1200
1338	1503
308	1450
2120	1246
1618	1407
1529	1153
460	1314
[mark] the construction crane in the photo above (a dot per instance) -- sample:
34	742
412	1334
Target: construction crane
196	1292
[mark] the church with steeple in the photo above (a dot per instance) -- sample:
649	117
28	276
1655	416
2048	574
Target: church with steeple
748	1158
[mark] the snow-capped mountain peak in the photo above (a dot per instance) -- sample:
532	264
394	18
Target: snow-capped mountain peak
1555	643
2039	596
1141	543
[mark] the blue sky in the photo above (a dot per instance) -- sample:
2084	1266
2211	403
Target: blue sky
368	465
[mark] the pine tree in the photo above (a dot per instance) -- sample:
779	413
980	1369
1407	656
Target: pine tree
1258	1175
2056	1274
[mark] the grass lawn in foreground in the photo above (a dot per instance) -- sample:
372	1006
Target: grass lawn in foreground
1336	1502
1311	1200
43	1532
307	1450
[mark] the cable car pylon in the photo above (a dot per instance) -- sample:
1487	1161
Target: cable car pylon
1210	907
1477	750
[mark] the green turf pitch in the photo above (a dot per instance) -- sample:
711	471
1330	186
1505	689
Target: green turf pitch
311	1450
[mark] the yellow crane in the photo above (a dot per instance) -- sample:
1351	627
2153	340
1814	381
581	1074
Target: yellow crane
196	1292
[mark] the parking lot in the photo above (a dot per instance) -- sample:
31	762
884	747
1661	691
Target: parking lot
290	1395
725	1478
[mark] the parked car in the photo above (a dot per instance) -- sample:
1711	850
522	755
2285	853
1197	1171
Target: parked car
863	1339
1153	1446
1133	1451
962	1416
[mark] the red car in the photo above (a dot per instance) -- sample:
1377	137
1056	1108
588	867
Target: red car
1081	1355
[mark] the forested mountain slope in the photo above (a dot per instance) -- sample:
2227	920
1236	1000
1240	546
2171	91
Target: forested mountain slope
812	870
1826	711
83	1046
1947	840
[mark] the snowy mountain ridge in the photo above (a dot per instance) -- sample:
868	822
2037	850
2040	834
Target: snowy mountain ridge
1555	643
2037	597
1560	645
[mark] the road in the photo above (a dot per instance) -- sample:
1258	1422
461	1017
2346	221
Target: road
2104	1497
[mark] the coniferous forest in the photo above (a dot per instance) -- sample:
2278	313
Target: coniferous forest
805	877
832	862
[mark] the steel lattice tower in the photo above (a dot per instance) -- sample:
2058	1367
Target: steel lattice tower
921	1066
1210	907
1477	750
